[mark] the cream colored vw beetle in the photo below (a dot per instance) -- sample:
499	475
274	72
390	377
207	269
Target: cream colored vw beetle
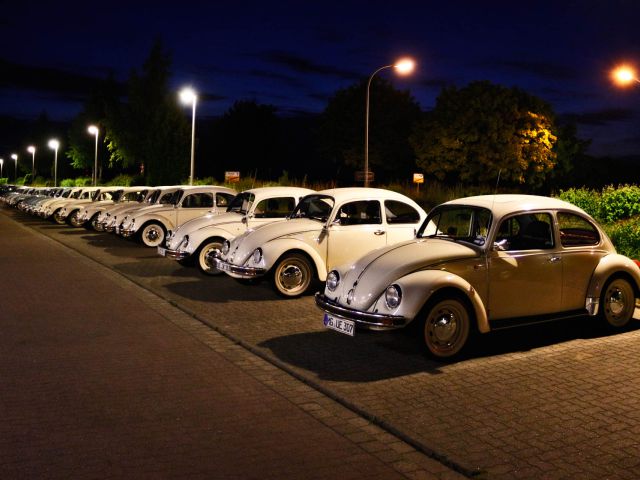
485	262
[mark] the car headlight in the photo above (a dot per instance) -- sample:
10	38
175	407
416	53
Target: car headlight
226	246
393	296
257	255
333	280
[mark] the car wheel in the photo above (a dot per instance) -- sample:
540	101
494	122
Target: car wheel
203	264
73	219
152	235
292	275
617	302
446	326
95	225
57	218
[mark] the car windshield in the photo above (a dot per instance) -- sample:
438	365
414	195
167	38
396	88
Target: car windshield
176	197
241	203
457	222
315	207
153	197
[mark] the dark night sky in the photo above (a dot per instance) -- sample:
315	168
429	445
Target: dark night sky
294	55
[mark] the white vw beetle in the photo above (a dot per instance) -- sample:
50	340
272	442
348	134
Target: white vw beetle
152	223
197	238
326	229
110	218
485	262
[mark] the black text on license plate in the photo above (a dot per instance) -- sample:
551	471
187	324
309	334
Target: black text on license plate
342	325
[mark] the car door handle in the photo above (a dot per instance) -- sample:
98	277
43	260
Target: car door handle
554	259
379	232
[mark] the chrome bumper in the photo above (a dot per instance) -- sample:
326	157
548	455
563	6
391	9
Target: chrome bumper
127	232
235	270
377	321
173	254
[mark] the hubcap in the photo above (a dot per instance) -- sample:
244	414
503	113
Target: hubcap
616	302
205	257
444	327
152	234
291	277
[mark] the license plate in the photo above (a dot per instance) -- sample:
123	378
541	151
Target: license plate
342	325
162	252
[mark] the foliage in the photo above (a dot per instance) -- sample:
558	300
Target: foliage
570	151
483	129
392	116
620	203
625	235
84	182
587	199
125	180
68	182
150	130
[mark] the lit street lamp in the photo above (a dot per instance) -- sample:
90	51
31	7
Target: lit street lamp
32	150
624	75
188	96
1	164
15	157
93	130
403	66
54	145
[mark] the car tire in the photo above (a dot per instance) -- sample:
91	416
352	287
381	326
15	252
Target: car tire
201	256
57	218
73	219
94	223
446	325
152	235
292	275
617	302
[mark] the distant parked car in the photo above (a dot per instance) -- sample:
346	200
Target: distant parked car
485	263
326	229
250	209
151	224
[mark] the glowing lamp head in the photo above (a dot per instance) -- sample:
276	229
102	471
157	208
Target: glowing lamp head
624	75
188	96
1	161
31	149
93	130
54	144
14	156
405	66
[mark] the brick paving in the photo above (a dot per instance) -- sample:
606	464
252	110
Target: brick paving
103	379
553	401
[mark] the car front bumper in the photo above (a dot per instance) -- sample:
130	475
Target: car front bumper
369	320
173	254
238	271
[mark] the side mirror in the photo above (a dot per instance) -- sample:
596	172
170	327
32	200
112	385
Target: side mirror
501	246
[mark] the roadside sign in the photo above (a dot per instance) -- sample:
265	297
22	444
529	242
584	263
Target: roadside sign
232	177
418	178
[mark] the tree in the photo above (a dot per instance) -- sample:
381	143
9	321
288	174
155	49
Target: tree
392	116
481	130
150	130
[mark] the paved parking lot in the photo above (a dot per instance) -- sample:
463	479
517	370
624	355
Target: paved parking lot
559	400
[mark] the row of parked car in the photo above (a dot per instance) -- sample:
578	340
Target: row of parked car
472	264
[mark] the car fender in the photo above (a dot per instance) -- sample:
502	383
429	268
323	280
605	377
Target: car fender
161	219
419	287
199	236
608	266
274	249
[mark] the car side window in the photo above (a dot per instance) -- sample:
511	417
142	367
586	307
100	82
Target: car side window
400	212
198	200
274	207
576	231
223	199
529	231
362	212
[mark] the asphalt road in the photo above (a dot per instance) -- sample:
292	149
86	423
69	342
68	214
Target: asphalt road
558	400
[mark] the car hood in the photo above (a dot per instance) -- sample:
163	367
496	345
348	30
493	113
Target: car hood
243	245
209	220
373	273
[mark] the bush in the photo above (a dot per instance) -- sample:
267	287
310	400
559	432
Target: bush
68	182
625	235
620	203
584	198
83	182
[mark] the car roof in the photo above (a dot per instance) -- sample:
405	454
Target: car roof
503	204
278	190
362	193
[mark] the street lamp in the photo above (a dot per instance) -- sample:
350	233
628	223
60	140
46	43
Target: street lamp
32	150
93	130
188	96
624	75
1	164
54	145
404	66
15	157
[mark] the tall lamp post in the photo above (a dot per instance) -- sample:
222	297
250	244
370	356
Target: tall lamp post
93	130
624	75
15	157
403	66
32	150
188	96
1	164
54	145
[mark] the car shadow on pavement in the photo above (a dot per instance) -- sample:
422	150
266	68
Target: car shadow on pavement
221	289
